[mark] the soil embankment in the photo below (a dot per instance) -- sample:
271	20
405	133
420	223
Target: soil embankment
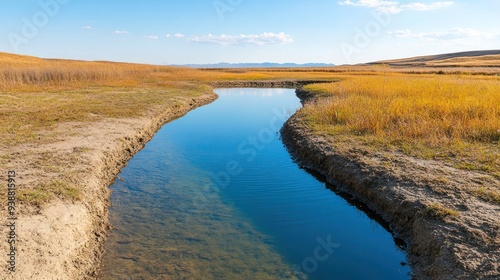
64	240
413	196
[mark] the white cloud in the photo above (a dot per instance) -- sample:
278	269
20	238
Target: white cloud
426	7
266	38
176	35
152	37
453	34
87	27
400	33
395	7
121	32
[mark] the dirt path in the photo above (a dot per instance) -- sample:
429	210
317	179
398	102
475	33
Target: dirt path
450	233
64	240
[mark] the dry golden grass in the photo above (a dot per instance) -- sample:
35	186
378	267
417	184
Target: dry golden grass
36	94
31	74
487	61
489	58
25	74
442	212
429	116
435	109
24	115
453	117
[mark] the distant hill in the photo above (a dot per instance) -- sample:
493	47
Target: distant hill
488	58
9	58
258	65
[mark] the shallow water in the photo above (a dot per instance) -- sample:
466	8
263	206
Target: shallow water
215	195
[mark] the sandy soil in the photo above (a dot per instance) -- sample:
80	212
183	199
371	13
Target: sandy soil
63	240
401	189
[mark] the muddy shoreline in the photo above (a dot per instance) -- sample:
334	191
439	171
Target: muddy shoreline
400	189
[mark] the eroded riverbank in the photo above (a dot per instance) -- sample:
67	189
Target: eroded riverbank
64	240
405	192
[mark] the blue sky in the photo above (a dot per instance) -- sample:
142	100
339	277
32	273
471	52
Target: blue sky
211	31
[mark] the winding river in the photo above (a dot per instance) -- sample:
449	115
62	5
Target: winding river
215	195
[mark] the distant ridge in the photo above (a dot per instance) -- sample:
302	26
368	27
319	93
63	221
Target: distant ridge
258	65
486	58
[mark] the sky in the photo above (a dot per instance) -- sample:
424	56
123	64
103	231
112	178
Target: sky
253	31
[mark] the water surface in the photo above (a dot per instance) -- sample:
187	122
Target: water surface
215	195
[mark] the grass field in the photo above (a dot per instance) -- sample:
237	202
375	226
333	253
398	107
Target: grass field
450	114
36	94
455	119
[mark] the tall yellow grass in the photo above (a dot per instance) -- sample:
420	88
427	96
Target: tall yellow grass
436	110
34	74
456	118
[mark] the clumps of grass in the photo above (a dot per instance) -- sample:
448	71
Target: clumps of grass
439	211
44	193
491	195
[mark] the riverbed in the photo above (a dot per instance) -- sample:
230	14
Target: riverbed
215	195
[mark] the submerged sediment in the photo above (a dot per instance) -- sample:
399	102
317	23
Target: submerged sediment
64	239
406	192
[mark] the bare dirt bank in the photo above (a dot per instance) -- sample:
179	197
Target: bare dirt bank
414	197
64	240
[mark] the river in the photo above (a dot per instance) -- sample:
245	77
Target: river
215	195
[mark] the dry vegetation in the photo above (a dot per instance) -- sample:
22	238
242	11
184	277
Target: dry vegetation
451	60
36	94
450	118
420	111
439	211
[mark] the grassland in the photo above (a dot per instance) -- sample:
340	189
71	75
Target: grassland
445	111
36	94
453	119
419	146
420	111
450	60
